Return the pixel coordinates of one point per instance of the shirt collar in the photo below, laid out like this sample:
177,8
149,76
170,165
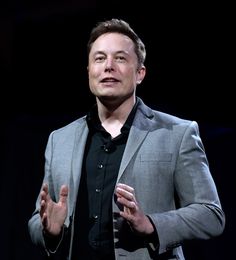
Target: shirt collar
94,122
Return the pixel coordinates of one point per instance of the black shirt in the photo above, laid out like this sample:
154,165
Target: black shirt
93,231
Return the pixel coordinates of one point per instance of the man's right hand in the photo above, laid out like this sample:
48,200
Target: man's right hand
53,214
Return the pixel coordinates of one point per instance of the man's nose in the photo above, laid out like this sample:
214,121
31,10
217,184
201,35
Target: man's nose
109,66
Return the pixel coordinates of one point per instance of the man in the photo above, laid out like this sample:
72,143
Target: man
125,181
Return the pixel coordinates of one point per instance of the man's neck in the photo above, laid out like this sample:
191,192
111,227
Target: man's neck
113,117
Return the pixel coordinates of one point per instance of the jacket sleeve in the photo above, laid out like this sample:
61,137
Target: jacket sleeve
34,223
199,214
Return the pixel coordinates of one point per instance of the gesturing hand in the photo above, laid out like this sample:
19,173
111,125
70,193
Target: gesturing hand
132,212
53,214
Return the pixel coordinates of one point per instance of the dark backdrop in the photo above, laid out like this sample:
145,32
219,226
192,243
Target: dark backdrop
44,86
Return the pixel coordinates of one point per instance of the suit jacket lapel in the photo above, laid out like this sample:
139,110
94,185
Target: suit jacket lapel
77,161
138,132
135,139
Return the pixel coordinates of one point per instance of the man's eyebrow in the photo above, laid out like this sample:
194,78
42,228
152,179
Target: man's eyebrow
98,52
116,52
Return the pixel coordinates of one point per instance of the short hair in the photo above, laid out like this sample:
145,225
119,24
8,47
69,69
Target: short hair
122,27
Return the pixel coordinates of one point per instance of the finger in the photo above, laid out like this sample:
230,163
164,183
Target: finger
44,195
44,192
45,188
126,215
125,194
63,194
44,220
127,210
125,187
129,205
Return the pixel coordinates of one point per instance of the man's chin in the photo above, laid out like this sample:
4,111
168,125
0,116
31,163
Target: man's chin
110,100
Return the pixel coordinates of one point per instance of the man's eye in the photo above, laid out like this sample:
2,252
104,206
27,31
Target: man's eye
100,58
120,58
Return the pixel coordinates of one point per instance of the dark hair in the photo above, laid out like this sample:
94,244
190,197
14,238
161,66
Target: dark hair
119,26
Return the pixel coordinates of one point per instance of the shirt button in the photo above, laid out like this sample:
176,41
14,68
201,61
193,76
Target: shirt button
95,216
100,166
97,190
94,243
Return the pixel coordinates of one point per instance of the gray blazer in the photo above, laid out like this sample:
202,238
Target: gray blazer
165,162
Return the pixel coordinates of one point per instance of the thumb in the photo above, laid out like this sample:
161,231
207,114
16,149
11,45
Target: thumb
63,194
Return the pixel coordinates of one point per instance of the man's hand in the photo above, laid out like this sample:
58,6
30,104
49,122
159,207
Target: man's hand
138,221
53,214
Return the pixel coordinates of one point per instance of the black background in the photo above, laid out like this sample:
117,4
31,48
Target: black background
44,86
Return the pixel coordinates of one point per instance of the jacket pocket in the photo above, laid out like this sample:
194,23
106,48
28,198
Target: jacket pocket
156,157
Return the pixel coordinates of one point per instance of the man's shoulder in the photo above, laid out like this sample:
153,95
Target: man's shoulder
171,118
71,127
162,116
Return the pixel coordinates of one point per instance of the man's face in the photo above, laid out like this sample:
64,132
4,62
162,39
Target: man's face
113,67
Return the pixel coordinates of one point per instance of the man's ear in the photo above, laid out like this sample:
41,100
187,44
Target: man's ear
141,74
